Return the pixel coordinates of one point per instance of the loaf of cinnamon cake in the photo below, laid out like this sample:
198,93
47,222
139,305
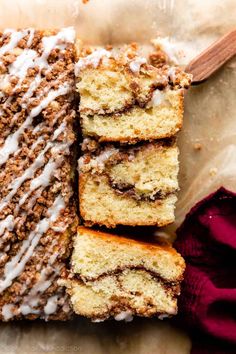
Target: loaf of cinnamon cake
128,185
123,97
37,209
112,276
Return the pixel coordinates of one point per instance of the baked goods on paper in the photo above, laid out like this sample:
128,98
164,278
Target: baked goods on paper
112,276
203,169
37,207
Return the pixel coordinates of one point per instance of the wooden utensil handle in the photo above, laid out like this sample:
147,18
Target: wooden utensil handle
211,59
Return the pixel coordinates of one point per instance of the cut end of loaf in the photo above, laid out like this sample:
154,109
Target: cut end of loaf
126,98
135,185
122,277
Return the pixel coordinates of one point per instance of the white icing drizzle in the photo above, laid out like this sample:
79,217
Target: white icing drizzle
7,311
98,320
12,142
172,73
169,48
51,305
15,266
38,141
4,81
44,179
66,35
59,228
39,127
41,181
124,316
162,317
92,59
33,297
105,155
26,310
136,64
59,114
33,199
35,84
7,31
98,162
59,130
42,284
31,37
15,38
32,87
52,95
157,98
20,68
23,62
15,117
7,223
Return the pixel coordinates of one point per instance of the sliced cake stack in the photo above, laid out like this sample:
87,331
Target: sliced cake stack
130,112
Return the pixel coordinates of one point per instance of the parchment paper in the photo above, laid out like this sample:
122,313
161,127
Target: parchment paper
207,143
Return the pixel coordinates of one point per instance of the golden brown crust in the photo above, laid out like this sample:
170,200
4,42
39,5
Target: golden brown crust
153,247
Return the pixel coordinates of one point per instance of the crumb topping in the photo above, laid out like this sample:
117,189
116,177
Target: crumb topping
36,197
157,64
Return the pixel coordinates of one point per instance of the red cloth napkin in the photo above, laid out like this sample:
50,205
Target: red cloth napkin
207,305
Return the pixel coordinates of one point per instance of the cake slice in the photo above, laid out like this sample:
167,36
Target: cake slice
37,205
126,99
113,276
134,185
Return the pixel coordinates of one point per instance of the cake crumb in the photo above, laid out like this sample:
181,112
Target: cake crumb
197,146
213,171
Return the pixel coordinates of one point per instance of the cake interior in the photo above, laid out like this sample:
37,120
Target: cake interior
160,120
126,98
144,171
132,185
